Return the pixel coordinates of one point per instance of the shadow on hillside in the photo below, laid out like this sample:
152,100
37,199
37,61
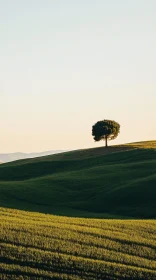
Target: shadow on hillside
44,192
68,212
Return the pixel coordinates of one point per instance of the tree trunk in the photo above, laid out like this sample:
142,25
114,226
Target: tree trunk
106,142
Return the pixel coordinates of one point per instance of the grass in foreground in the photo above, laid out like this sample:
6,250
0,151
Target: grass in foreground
39,246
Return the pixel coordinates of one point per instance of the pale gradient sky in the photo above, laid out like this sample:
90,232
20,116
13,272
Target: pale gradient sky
65,64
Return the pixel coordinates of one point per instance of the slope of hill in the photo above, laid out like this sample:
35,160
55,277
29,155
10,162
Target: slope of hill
17,156
116,182
38,246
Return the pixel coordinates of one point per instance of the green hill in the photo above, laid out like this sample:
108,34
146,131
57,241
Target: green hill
119,181
115,182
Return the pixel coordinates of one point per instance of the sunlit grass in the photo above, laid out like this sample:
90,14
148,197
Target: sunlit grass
53,247
144,145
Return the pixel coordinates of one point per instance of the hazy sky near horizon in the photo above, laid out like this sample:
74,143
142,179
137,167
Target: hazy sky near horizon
66,64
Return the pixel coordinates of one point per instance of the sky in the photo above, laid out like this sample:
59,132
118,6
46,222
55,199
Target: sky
66,64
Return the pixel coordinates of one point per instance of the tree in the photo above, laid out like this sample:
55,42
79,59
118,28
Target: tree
105,130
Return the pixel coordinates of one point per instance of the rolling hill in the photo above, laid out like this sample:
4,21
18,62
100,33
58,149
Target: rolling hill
119,181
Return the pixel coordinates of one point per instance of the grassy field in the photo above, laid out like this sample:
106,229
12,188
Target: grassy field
40,246
115,182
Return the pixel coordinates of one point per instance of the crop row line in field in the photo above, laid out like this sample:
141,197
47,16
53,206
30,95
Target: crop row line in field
53,252
95,266
17,270
78,239
124,258
97,243
143,241
87,247
36,228
21,267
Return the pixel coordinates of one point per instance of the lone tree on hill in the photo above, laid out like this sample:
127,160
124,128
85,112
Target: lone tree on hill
105,130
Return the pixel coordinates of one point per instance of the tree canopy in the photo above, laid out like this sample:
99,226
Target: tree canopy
105,130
